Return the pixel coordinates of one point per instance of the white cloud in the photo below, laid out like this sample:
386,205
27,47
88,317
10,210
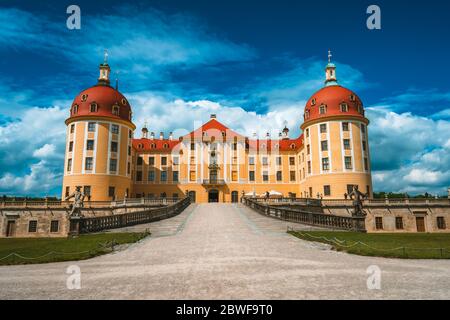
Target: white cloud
46,151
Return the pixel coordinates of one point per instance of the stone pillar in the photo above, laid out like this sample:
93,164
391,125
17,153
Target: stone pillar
74,226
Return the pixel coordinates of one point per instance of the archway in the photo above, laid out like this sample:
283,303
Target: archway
213,195
234,196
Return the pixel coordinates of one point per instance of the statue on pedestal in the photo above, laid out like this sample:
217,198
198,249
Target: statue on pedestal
78,198
357,202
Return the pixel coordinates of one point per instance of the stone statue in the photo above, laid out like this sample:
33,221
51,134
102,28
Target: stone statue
78,198
357,202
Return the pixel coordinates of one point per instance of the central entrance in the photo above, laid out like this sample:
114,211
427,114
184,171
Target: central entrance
213,195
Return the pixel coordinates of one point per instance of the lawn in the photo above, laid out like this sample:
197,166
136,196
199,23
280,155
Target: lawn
394,245
43,250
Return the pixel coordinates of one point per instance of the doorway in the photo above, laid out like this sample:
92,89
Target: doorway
234,196
420,223
213,195
192,196
11,228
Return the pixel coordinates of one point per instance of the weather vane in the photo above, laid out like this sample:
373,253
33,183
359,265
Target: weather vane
106,56
329,56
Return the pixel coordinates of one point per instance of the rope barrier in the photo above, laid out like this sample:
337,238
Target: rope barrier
340,243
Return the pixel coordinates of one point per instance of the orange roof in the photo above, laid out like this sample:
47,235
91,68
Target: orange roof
213,128
145,144
274,145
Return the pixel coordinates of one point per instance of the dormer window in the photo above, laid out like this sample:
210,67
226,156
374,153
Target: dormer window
93,107
344,107
75,109
165,146
313,102
124,102
153,146
140,146
84,97
306,115
293,146
115,110
360,109
322,109
352,97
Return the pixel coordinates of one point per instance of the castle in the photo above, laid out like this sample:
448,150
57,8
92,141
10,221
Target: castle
214,163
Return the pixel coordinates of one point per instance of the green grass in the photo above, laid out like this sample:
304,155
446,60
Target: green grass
393,245
63,249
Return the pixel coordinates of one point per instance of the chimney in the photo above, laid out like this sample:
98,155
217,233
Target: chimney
268,135
213,116
161,135
152,135
144,132
171,136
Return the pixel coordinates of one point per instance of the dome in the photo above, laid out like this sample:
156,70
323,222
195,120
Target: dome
333,100
101,100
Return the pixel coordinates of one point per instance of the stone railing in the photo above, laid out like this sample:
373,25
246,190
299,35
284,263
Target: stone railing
88,204
86,225
307,217
387,202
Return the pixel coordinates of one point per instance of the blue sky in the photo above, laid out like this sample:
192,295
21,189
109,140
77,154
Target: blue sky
253,63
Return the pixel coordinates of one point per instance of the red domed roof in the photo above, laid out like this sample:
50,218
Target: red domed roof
101,100
337,100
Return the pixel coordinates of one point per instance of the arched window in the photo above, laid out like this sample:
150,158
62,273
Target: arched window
293,146
306,115
153,146
84,97
115,110
313,102
352,97
75,109
344,107
93,107
124,102
165,146
322,109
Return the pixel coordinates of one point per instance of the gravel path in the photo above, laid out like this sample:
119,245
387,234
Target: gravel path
227,251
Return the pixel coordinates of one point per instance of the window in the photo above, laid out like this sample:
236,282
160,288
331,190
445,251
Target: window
363,128
310,191
292,175
163,176
175,176
278,161
292,161
67,191
348,162
113,146
366,164
93,107
379,223
350,188
251,175
72,128
32,226
138,175
130,134
87,191
192,176
265,176
313,102
344,107
440,222
129,150
89,164
115,110
344,126
251,160
308,149
151,161
163,161
279,176
176,161
124,102
324,145
113,165
234,175
327,190
111,192
307,133
347,144
323,128
325,164
352,97
151,176
309,167
54,226
90,145
323,109
70,146
399,223
192,146
234,146
115,129
364,145
139,161
265,161
75,109
69,164
128,168
91,126
306,115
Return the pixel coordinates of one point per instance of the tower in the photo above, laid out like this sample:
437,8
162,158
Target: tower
98,142
336,141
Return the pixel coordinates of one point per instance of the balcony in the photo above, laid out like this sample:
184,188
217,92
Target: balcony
215,182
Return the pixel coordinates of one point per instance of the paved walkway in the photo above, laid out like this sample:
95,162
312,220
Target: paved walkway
224,251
